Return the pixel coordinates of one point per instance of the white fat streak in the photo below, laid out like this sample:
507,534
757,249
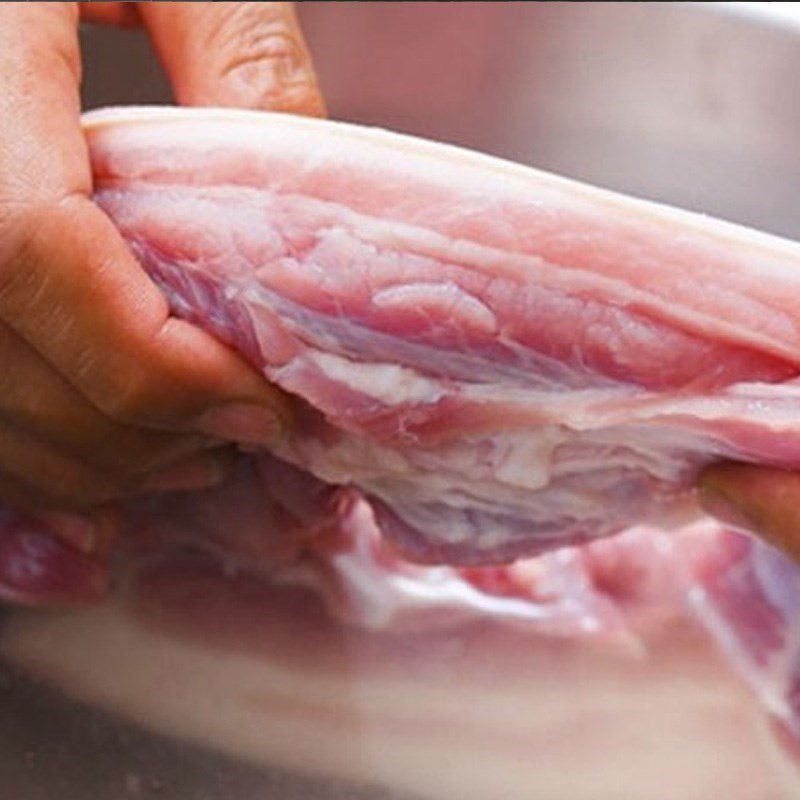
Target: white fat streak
380,597
389,383
526,460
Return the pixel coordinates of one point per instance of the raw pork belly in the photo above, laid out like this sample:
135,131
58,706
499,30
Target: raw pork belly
492,362
500,360
489,363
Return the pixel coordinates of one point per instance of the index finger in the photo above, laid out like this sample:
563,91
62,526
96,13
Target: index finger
248,55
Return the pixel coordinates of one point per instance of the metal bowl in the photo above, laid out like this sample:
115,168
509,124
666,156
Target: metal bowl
693,104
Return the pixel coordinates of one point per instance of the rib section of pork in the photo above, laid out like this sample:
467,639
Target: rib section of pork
500,360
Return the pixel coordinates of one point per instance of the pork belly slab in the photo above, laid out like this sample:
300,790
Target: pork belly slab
500,360
489,365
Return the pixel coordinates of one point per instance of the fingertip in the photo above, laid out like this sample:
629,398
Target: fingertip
245,423
764,501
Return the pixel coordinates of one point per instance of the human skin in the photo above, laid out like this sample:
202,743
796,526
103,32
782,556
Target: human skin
758,500
103,393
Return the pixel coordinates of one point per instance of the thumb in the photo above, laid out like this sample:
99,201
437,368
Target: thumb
248,55
764,501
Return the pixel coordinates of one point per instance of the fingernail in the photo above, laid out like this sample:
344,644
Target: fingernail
244,423
200,473
74,529
725,509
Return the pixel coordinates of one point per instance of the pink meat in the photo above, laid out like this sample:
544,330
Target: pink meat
489,362
38,564
500,360
329,543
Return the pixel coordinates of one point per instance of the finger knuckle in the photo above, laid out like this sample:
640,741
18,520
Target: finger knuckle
265,53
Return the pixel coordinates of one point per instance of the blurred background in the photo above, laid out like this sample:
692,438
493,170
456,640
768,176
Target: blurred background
694,104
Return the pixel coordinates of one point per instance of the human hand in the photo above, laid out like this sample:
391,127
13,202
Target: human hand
761,500
102,392
248,55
